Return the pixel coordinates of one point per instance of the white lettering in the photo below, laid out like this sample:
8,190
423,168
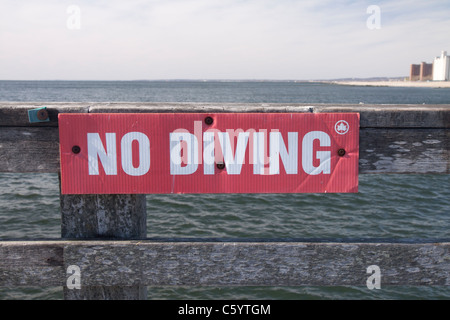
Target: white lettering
189,310
74,20
278,149
233,164
259,149
208,153
374,281
96,151
323,156
127,153
245,309
374,20
190,152
74,280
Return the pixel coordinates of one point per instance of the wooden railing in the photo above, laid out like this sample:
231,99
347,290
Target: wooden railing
116,260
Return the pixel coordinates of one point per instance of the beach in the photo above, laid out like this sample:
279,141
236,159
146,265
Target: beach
396,83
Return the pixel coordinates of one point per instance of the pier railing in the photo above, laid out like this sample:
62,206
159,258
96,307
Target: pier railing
112,258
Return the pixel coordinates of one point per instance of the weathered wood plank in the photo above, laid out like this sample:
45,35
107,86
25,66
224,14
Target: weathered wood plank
249,264
372,116
25,262
381,150
395,116
29,149
146,262
404,151
16,113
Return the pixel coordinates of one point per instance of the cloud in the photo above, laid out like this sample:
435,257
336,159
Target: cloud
234,39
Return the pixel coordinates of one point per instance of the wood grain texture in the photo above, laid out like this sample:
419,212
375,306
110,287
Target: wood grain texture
104,216
25,149
150,263
25,262
15,114
412,150
372,116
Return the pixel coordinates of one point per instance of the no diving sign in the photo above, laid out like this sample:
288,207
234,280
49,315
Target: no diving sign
209,153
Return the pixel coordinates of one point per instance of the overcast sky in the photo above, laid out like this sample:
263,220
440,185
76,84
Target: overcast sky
218,39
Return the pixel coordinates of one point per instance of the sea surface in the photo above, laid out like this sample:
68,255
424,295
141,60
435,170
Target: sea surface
386,208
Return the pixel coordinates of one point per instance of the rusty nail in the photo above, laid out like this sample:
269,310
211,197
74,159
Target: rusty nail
76,149
341,152
209,120
42,114
220,166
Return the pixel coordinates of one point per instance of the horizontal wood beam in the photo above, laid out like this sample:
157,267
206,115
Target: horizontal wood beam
372,116
26,149
171,263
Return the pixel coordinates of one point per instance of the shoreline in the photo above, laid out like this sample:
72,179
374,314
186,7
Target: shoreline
397,83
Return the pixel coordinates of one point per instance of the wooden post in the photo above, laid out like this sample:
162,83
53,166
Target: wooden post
104,217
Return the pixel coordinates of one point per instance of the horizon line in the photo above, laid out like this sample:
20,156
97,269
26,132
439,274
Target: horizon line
213,79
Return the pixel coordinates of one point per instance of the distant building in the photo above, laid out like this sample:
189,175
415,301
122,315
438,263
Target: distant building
441,67
426,71
414,73
439,70
422,72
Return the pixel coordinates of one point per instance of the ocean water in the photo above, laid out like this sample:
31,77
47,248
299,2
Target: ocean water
387,207
216,91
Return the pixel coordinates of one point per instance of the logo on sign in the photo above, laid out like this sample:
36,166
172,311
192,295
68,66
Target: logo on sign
341,127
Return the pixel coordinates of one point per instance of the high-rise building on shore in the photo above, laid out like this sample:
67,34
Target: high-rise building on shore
441,67
421,72
438,70
414,72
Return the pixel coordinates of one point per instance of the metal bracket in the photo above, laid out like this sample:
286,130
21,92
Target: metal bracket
38,115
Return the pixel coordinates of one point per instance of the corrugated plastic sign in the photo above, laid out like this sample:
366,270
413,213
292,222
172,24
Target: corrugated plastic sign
209,153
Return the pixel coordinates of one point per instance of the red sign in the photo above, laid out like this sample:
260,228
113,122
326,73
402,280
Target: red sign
209,153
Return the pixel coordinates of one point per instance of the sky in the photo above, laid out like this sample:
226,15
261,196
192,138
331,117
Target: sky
218,39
